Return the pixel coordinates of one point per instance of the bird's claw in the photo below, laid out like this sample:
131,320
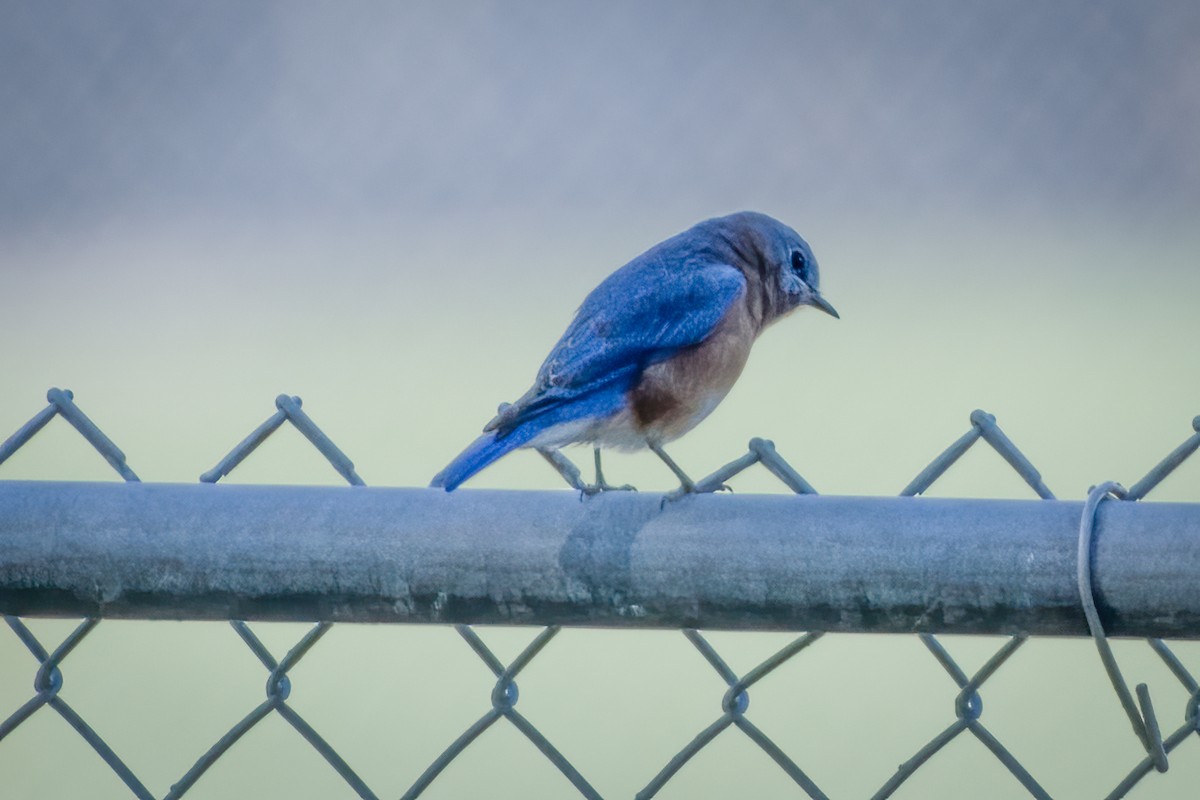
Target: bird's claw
689,488
600,487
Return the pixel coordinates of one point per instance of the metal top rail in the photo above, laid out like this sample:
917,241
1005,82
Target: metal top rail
804,562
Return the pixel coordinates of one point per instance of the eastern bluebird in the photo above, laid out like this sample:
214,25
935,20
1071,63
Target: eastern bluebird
656,346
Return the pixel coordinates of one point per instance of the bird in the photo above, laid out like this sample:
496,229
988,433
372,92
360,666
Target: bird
654,348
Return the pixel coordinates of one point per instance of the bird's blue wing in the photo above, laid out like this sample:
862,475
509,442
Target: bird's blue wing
644,312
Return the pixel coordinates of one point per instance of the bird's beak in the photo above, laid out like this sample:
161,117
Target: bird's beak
823,304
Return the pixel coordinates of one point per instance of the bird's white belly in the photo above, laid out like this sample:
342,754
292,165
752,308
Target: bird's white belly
616,431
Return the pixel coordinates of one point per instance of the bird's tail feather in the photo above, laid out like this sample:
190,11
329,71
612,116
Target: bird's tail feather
479,453
492,445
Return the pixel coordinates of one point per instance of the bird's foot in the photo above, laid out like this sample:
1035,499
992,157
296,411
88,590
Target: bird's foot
688,488
686,485
602,486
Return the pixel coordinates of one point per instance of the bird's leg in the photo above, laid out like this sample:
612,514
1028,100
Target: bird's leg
686,484
571,474
602,485
563,465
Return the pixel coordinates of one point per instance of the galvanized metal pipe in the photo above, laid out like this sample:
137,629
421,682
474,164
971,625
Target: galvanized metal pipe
905,564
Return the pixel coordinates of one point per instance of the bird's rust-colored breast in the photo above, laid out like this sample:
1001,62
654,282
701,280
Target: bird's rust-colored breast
673,396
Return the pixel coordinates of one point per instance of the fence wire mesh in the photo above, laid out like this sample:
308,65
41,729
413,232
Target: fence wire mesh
1156,749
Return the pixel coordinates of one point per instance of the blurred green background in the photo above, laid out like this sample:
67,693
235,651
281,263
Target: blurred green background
392,210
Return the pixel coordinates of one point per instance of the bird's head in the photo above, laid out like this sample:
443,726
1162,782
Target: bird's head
783,260
799,276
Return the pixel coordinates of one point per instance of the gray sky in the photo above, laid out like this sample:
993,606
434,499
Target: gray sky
303,111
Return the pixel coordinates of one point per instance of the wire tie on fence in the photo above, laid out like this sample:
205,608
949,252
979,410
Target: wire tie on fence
1153,732
1144,722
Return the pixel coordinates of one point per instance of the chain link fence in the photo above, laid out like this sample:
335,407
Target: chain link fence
1155,745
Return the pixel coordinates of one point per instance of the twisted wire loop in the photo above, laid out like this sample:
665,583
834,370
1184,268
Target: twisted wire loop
1145,725
278,689
48,682
968,705
288,410
734,705
504,698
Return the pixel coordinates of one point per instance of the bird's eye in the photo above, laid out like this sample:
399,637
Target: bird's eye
800,265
